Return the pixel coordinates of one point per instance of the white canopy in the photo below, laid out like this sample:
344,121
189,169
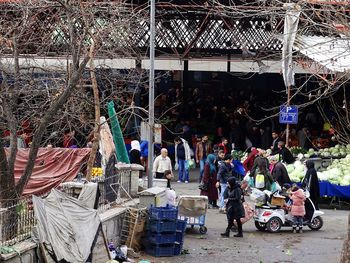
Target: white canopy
332,53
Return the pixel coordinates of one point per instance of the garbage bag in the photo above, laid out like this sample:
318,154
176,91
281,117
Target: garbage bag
258,196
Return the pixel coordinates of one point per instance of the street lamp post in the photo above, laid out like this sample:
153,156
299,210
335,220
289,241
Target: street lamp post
151,95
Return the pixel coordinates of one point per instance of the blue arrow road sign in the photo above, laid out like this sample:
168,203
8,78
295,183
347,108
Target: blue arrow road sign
289,114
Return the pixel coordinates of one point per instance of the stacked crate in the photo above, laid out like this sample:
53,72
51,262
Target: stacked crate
180,232
163,232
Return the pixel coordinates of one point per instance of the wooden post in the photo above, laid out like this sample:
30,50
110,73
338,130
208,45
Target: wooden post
96,138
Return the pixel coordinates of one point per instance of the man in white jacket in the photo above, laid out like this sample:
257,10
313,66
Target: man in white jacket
182,157
161,164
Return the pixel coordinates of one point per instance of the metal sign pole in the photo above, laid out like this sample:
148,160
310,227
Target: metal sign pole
151,95
288,125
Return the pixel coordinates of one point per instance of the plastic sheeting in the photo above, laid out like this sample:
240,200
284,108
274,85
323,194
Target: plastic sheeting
290,30
67,225
89,195
52,167
107,147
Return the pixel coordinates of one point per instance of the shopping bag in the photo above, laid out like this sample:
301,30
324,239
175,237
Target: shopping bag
176,167
203,186
248,213
191,164
260,181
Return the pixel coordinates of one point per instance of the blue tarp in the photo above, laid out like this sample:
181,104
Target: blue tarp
328,189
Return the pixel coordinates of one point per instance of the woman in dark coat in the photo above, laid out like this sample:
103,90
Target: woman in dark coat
209,179
234,207
310,183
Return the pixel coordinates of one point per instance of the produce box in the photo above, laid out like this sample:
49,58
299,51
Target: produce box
277,200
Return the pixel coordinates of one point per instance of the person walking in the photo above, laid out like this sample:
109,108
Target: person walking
161,164
209,179
203,149
182,157
234,207
298,208
225,172
310,183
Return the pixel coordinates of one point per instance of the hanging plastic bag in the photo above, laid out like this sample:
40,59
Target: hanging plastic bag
170,196
191,164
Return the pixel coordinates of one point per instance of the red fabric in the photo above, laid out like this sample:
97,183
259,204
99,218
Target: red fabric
249,162
298,206
52,167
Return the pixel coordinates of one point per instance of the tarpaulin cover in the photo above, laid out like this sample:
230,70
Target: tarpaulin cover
328,189
192,205
88,195
67,225
107,147
52,167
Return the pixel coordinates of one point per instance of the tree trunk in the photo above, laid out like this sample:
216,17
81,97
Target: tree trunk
96,138
7,181
45,122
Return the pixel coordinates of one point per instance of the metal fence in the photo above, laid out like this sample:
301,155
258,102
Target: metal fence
17,216
16,220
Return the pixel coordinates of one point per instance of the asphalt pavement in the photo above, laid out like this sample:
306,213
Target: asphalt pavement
323,246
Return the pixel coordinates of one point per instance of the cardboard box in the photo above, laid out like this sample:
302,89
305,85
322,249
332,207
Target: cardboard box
277,200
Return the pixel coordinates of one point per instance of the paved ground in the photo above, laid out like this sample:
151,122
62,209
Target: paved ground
311,246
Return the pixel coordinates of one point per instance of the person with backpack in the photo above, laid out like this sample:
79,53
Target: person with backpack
262,178
224,173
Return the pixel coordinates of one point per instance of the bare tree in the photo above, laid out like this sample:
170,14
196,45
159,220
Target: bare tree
47,94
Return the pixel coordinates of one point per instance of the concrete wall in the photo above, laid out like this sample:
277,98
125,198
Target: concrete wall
111,223
346,249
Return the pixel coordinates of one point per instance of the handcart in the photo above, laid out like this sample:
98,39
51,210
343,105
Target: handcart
193,208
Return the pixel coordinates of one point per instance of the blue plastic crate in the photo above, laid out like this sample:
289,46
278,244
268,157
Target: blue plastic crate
160,250
181,225
179,236
163,238
162,226
177,249
163,213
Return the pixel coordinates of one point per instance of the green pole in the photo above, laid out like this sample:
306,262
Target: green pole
122,154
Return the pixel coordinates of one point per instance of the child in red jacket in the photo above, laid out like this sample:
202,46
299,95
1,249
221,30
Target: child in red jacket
298,208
